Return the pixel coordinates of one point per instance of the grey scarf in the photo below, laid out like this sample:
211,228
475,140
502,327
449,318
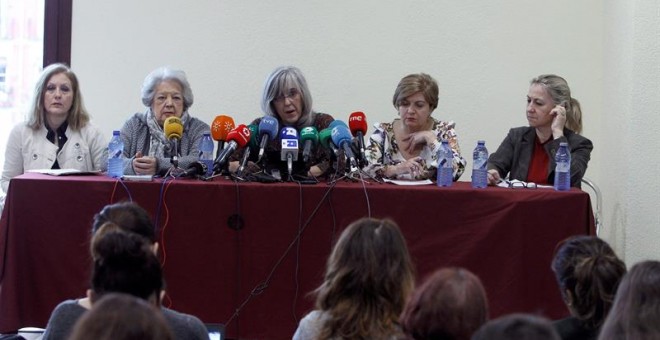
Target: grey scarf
159,145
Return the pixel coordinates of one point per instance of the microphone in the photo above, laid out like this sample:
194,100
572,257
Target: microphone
194,169
173,129
341,137
254,136
219,129
337,123
267,131
237,138
289,137
309,136
325,138
357,122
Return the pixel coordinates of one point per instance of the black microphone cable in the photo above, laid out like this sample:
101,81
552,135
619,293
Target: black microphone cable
297,262
237,237
261,287
366,194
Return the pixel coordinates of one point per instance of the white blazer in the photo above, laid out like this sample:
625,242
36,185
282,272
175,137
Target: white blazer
27,149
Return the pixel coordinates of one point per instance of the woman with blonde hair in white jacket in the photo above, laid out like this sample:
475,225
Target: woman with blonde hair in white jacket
58,134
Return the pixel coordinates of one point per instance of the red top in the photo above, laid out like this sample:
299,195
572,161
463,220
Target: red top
538,167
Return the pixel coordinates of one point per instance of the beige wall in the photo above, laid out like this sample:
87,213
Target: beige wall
483,54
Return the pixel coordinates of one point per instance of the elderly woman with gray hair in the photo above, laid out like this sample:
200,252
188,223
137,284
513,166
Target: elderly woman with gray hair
287,99
166,93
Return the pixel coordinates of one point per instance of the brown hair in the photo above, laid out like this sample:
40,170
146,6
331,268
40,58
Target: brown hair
519,327
368,278
125,263
121,316
635,311
413,83
128,216
450,304
588,269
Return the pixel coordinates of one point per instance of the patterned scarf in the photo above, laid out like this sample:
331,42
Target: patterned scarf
159,145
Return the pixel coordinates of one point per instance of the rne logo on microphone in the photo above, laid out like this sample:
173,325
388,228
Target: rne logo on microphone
355,118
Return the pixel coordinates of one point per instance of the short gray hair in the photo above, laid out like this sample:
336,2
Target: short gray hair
278,83
161,74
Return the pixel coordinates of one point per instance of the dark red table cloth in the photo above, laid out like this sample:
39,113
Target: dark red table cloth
256,279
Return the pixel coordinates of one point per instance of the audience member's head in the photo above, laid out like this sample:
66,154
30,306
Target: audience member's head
450,304
124,263
636,309
121,316
129,217
588,273
368,277
517,327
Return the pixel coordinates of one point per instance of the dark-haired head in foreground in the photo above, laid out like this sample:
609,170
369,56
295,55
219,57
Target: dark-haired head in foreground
588,273
636,309
517,327
450,304
122,316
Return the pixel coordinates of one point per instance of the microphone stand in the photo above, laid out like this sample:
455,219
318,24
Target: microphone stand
174,160
240,175
353,171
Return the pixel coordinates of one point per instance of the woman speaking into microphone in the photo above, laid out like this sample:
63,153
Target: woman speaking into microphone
286,102
147,148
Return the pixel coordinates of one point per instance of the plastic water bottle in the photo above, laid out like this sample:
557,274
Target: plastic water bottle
116,156
479,163
206,153
445,165
563,168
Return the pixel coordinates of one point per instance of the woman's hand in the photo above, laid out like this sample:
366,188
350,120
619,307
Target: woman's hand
558,122
314,171
419,138
411,166
144,165
493,177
